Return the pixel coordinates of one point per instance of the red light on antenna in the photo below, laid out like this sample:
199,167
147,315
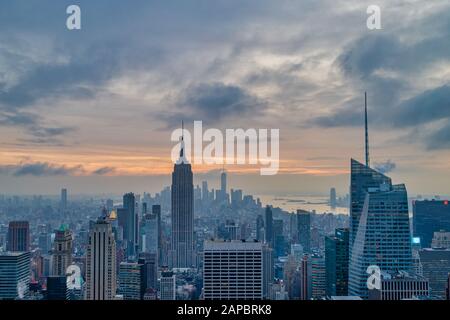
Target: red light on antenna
446,202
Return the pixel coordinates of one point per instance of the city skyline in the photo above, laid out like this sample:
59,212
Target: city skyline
96,117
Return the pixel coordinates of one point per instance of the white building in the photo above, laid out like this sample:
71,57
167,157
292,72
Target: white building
233,270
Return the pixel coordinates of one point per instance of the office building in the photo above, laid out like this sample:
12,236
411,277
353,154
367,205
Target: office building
132,284
167,286
15,273
400,286
318,276
62,251
337,263
441,239
304,229
101,261
268,223
18,236
57,288
379,227
430,216
128,220
436,267
233,270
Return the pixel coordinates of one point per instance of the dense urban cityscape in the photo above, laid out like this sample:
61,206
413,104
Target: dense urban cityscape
224,157
188,243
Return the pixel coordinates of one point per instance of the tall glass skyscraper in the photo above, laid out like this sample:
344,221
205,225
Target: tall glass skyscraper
379,226
182,213
337,260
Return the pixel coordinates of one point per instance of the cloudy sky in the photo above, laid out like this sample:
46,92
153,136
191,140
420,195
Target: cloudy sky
93,109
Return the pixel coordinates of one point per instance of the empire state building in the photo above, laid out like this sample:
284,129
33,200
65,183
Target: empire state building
182,213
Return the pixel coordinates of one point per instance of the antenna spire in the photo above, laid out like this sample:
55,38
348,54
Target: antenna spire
366,130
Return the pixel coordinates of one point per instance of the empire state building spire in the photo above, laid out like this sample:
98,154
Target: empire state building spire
182,158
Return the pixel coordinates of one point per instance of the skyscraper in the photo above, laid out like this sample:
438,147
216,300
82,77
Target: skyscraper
223,186
430,216
269,226
15,273
268,270
62,251
57,288
318,276
131,280
336,263
233,270
400,286
18,236
129,223
101,261
436,268
260,228
333,198
182,213
167,286
304,229
379,227
305,278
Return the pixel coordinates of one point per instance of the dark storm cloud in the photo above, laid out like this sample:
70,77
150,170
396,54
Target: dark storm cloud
388,67
104,171
213,102
45,169
439,139
426,107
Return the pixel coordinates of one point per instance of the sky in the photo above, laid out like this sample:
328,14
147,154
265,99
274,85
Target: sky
93,109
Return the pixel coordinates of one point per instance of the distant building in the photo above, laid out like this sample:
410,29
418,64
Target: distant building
233,270
430,216
436,267
101,261
15,272
441,239
333,198
150,269
268,226
318,276
132,284
304,229
18,236
400,286
57,288
268,270
62,251
128,221
337,262
167,286
305,278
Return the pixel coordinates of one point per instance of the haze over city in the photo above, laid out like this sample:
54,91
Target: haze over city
93,110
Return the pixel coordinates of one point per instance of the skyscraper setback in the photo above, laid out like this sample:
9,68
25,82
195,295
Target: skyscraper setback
182,213
101,261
